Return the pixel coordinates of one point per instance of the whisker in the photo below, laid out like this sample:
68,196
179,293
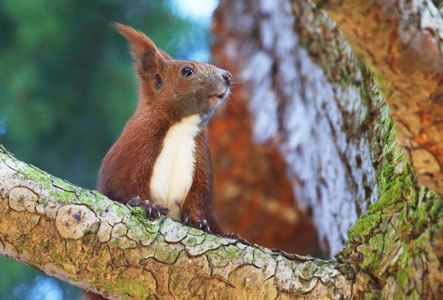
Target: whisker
254,112
250,91
244,100
247,122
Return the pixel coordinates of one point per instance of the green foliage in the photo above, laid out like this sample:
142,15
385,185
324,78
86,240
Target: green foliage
67,85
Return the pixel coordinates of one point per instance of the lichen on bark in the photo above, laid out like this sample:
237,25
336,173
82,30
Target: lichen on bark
400,42
311,99
85,239
399,220
399,242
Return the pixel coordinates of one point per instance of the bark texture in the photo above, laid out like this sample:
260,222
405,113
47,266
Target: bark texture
309,99
254,195
317,114
401,42
83,238
316,103
400,240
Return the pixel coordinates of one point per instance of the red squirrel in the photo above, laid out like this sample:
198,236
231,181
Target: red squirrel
161,160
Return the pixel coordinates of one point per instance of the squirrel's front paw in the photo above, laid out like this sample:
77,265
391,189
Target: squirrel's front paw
153,211
199,224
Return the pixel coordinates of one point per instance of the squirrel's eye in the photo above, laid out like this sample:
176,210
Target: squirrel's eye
186,72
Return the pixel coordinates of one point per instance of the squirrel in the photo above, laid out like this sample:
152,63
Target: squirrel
162,161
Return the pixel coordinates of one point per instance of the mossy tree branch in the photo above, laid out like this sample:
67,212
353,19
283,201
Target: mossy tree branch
399,242
85,239
401,42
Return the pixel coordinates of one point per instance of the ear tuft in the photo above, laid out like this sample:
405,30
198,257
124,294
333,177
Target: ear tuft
138,41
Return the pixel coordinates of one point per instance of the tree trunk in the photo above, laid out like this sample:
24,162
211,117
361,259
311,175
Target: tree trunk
317,105
401,42
310,100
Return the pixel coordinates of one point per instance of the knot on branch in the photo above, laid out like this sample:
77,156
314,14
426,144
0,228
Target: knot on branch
22,198
74,221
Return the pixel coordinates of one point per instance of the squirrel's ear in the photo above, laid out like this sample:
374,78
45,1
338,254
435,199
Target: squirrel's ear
143,49
165,55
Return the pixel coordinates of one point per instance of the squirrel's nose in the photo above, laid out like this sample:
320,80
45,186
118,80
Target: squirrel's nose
227,76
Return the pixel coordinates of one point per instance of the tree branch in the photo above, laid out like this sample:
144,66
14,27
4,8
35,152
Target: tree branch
401,43
83,238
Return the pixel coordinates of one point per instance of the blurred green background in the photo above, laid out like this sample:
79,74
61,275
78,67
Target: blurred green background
67,88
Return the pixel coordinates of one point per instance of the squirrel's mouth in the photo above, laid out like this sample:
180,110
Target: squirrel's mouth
222,95
213,104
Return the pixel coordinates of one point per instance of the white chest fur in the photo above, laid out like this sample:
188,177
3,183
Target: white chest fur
174,168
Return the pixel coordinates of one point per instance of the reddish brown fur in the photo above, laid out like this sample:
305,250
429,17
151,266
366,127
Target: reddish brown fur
165,98
199,200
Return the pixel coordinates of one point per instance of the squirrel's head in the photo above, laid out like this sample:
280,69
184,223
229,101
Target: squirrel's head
179,88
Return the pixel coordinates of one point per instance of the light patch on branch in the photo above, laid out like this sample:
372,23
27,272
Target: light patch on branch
74,221
22,198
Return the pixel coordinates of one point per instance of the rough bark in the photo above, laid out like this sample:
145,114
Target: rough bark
401,42
309,99
313,100
400,241
298,67
255,197
83,238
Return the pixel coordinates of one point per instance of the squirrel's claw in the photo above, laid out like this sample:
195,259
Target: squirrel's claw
153,211
134,202
199,224
231,235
